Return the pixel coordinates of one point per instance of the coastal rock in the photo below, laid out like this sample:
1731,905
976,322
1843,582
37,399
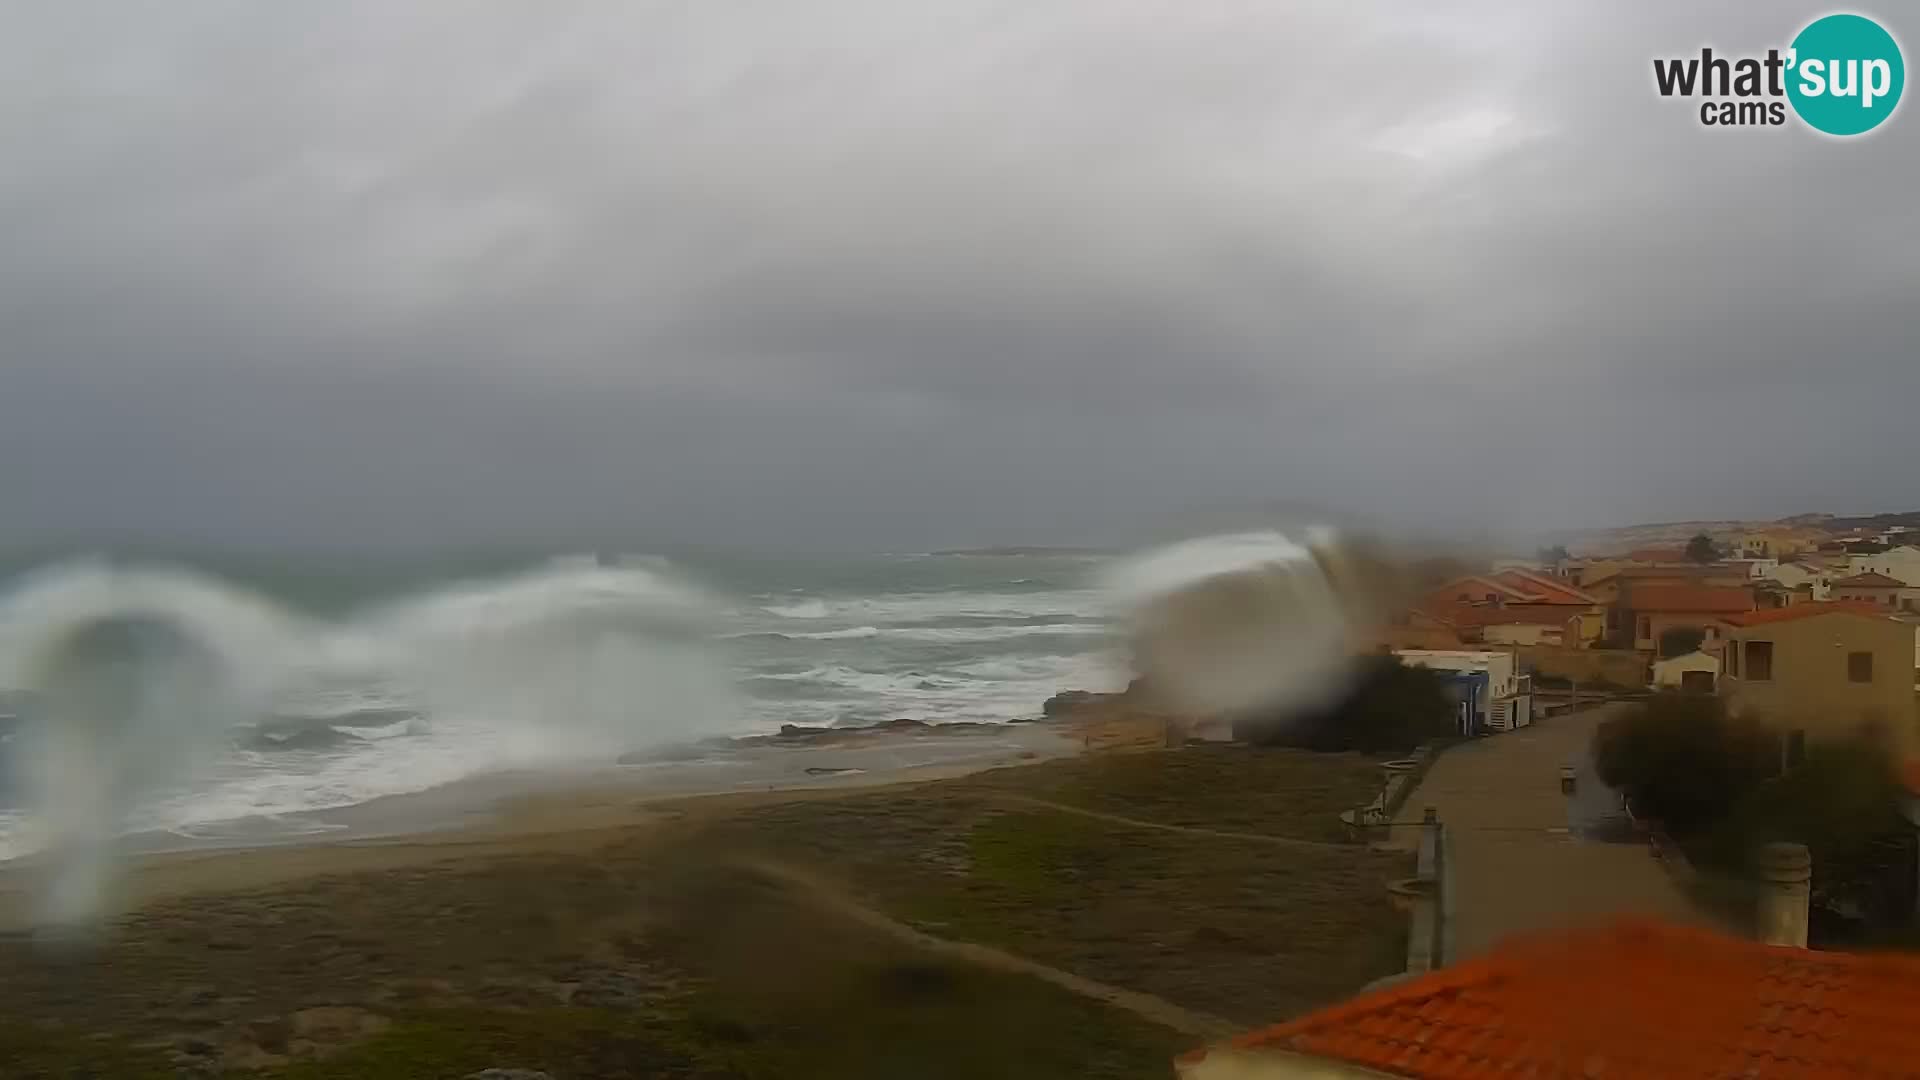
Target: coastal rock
1067,701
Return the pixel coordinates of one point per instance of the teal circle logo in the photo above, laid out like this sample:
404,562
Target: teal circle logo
1845,74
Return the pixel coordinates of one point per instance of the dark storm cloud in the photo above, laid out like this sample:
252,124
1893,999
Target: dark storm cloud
907,274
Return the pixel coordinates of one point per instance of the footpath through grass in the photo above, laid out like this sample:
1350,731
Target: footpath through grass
662,955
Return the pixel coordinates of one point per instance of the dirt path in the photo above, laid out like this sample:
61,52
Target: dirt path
1146,1006
1159,826
1519,860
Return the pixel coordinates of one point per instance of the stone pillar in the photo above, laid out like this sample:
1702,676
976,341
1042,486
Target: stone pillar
1786,876
1427,855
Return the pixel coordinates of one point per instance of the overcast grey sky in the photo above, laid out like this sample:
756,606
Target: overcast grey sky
885,274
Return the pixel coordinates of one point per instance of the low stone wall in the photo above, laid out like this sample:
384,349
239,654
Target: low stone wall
1621,667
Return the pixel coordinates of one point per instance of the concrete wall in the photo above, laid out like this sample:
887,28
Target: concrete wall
1622,667
1522,634
1810,690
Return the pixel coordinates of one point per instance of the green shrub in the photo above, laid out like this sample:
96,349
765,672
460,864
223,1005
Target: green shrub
1680,759
1392,708
1842,802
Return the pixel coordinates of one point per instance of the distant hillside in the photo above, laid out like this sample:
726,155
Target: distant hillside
1909,518
1673,533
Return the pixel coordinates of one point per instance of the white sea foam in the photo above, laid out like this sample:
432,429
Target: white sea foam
138,678
1234,622
805,609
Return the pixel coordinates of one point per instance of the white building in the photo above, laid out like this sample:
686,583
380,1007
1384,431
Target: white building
1794,575
1489,691
1901,564
1694,671
1757,569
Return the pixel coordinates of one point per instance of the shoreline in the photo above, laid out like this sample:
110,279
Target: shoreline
523,811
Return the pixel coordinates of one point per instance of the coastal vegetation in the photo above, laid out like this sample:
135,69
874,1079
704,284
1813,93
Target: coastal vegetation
1086,917
1392,707
1722,785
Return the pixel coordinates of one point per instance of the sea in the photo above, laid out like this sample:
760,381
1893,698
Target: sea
202,697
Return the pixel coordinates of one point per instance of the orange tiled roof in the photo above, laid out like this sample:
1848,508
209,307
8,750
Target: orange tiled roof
1546,589
1806,611
1489,615
1873,580
1657,554
1637,999
1631,573
1703,599
1476,587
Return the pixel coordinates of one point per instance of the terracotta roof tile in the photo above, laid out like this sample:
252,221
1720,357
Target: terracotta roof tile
1806,611
1489,615
1637,999
1704,599
1548,590
1475,587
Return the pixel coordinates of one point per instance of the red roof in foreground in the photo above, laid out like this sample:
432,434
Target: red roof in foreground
1806,611
1638,999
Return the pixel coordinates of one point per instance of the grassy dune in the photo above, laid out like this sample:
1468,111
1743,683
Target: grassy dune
684,950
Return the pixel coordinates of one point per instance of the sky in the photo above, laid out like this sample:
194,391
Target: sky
866,274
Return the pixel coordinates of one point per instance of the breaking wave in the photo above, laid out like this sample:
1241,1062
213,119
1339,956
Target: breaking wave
151,697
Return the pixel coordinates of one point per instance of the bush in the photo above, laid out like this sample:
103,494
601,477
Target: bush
1843,803
1680,759
1680,641
1392,707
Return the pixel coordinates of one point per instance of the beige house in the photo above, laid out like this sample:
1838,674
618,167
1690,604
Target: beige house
1775,543
1608,588
1649,610
1823,669
1900,563
1516,607
1802,576
1879,590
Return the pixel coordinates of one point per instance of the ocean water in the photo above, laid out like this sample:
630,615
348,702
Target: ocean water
204,698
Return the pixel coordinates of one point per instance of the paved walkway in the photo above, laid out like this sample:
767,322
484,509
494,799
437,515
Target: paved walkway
1525,857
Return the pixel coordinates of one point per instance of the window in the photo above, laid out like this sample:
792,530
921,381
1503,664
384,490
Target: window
1646,627
1759,661
1859,667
